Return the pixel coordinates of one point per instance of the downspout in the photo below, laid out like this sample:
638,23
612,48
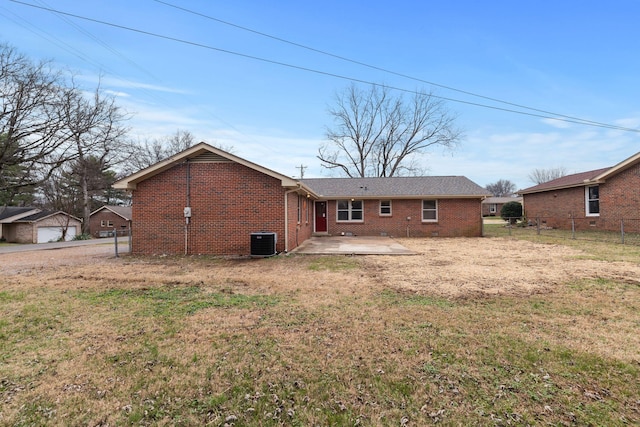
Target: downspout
286,218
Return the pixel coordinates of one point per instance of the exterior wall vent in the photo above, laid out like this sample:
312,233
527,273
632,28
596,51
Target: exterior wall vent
209,157
263,244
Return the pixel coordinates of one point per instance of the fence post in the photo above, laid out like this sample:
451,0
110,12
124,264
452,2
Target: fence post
510,226
115,239
622,231
538,226
573,228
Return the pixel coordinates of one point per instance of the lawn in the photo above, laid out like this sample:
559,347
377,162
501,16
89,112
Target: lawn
492,331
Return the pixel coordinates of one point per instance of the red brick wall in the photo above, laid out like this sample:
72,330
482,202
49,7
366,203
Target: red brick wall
299,231
555,208
619,199
486,209
620,195
228,202
456,218
95,223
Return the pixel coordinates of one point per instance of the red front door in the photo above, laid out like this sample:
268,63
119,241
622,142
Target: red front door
321,217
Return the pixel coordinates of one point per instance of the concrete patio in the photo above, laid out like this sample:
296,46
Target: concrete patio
352,245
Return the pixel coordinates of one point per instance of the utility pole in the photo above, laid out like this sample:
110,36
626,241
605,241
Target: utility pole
302,168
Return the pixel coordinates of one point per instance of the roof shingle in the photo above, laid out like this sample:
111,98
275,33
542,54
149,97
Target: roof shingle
396,187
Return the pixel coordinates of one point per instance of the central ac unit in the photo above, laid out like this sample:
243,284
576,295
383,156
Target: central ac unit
263,244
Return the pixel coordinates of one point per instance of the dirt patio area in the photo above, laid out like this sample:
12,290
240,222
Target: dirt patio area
452,268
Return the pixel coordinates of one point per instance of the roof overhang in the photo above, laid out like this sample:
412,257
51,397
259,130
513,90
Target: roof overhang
403,197
635,159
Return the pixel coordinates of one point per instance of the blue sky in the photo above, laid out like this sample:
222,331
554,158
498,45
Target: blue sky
575,58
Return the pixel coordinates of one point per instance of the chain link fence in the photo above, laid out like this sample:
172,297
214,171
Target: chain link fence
623,231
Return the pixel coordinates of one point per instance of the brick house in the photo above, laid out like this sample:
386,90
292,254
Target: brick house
103,221
492,206
597,199
424,206
207,201
33,225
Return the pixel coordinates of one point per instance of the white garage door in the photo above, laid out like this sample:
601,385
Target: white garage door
52,234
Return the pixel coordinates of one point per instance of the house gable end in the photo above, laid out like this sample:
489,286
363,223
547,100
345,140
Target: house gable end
200,153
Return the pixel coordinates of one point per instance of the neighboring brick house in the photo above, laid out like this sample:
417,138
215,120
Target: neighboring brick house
207,201
103,221
492,206
32,225
598,199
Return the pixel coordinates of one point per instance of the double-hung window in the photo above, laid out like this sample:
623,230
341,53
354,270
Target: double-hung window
592,200
350,210
429,210
385,207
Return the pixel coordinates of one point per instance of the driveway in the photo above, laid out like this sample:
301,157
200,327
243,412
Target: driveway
123,245
352,245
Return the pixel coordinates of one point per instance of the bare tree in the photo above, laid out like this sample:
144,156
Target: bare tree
377,134
97,134
502,188
31,127
540,176
152,151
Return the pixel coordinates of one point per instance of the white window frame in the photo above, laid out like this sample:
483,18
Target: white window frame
350,210
389,206
430,210
493,208
588,200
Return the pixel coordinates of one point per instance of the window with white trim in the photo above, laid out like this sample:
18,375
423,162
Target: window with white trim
350,210
429,210
385,207
592,200
493,208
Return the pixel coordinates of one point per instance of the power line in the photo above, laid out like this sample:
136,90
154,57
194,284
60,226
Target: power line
552,116
72,50
373,67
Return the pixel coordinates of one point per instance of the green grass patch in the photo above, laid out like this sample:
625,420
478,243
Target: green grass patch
394,297
176,300
333,263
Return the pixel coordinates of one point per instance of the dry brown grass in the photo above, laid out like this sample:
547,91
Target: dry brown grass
471,331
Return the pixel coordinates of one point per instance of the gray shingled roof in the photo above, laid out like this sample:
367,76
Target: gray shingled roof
396,187
490,200
9,211
36,216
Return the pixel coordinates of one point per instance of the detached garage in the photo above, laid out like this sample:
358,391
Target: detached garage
37,226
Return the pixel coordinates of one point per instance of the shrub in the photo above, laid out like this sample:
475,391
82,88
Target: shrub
511,211
83,236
